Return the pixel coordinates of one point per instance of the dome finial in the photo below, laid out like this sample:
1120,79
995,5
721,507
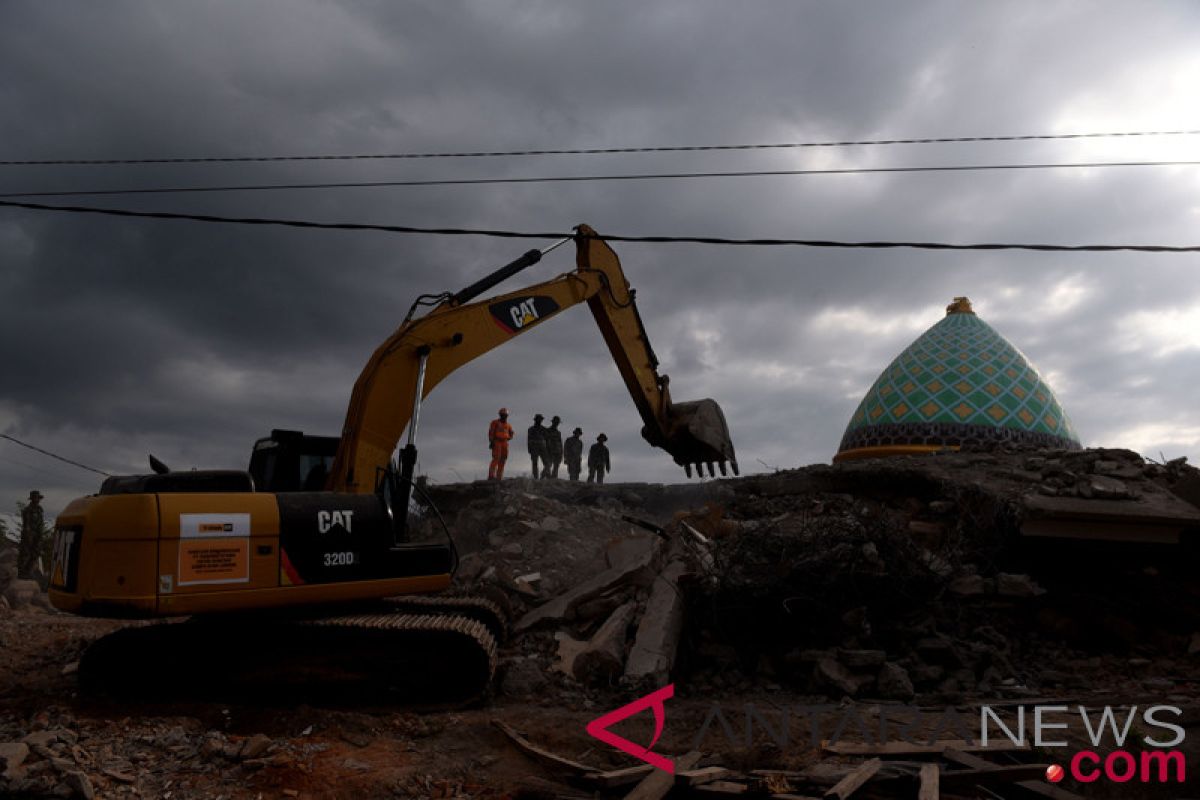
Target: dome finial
961,305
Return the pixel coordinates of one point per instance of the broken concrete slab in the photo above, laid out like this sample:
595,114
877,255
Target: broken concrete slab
603,657
12,755
562,607
569,649
829,673
653,652
1017,586
628,549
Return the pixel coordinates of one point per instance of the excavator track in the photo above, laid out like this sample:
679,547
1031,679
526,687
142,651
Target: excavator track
483,609
379,657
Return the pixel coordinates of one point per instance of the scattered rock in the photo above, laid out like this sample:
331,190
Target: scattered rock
861,659
13,755
830,674
522,678
1017,586
255,746
80,785
893,683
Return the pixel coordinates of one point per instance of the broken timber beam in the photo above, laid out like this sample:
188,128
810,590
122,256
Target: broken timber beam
855,780
929,775
698,777
545,756
1018,773
658,783
1038,787
618,777
907,749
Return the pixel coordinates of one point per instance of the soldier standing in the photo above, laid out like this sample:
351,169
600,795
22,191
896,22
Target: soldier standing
573,453
499,435
32,526
554,448
598,462
537,443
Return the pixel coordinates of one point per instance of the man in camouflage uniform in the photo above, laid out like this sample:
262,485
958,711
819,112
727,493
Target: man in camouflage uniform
598,462
573,453
554,449
537,444
32,525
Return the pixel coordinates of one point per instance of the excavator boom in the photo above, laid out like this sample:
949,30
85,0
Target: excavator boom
424,351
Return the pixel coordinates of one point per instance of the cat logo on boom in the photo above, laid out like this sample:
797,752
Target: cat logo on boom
327,519
519,313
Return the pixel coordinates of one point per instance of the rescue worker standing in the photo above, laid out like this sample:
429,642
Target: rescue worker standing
537,444
32,526
598,462
554,448
499,435
573,453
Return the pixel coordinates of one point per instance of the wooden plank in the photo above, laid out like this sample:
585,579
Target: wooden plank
906,749
930,785
658,783
855,780
696,777
1016,773
545,756
1038,787
720,789
618,777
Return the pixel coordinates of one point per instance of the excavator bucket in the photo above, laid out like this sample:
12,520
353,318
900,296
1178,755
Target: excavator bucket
698,435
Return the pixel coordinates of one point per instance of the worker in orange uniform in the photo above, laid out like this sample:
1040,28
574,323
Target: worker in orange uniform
499,435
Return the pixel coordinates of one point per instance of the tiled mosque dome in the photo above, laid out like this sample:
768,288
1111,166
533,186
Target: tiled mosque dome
960,383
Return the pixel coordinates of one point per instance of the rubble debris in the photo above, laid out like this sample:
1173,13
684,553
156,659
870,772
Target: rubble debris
540,754
1038,787
602,659
13,755
930,782
561,607
659,783
910,749
654,647
850,784
618,777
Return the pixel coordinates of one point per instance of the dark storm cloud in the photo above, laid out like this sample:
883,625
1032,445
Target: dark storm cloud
120,337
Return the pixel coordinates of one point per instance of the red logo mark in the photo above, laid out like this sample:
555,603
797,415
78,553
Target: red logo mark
599,728
1054,773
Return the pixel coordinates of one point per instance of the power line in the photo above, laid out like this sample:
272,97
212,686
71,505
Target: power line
592,178
710,240
582,151
55,455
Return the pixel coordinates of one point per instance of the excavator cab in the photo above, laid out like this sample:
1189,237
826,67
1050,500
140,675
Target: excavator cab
290,461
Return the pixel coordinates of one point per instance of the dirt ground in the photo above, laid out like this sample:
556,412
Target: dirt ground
866,590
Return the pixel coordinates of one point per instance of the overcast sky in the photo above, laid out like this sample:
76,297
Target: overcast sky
120,337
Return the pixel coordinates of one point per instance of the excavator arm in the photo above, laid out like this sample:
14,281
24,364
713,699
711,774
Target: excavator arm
424,351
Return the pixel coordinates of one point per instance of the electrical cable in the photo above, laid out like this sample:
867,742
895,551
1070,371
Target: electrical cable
55,455
503,234
596,178
582,151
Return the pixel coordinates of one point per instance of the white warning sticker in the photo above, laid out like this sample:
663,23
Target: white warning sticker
214,526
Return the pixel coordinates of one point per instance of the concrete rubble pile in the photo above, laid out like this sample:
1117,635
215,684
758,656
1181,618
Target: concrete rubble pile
18,594
902,579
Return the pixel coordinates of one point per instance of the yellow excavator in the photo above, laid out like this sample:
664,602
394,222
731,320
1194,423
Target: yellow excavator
300,573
